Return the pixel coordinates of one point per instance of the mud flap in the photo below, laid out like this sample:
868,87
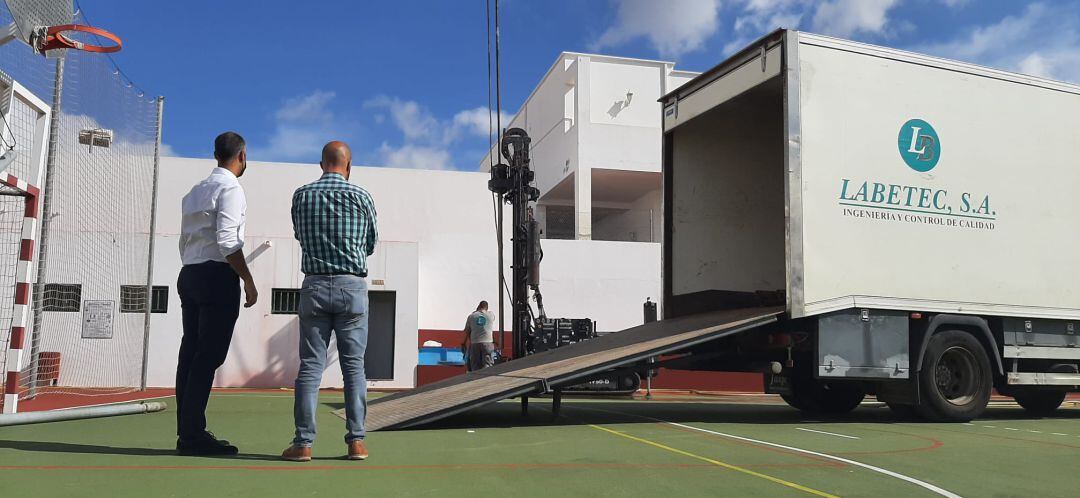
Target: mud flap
777,384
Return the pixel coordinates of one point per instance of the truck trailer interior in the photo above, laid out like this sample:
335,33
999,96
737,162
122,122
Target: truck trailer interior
726,205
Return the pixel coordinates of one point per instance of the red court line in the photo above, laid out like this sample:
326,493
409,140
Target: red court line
70,398
934,444
822,462
997,436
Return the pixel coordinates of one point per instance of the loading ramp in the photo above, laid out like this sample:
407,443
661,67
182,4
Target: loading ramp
568,365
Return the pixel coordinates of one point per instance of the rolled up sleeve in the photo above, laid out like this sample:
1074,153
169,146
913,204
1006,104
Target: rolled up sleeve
372,228
230,219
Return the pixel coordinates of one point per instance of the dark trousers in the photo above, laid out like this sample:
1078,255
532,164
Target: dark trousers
210,298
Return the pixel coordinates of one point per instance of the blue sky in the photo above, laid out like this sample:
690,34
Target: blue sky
405,82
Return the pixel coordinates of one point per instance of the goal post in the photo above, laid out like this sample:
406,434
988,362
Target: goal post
77,216
25,119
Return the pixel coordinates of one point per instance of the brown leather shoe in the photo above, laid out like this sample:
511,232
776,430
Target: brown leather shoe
297,454
357,451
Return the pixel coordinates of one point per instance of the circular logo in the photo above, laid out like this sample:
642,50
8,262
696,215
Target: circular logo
481,320
919,145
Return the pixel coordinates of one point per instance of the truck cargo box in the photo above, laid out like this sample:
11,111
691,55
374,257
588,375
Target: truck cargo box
824,175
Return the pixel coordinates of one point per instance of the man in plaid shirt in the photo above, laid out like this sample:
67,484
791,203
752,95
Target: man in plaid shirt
334,221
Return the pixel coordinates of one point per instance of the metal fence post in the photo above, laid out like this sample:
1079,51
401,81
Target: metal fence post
150,249
38,296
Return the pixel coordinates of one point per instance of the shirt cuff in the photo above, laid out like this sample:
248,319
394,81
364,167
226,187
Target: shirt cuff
231,247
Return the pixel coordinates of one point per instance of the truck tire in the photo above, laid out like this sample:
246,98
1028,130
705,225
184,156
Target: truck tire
1039,402
956,379
813,397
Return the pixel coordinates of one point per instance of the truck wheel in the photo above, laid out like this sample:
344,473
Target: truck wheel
1040,402
955,380
817,398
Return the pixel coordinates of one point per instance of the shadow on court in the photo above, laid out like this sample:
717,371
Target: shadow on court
69,448
507,414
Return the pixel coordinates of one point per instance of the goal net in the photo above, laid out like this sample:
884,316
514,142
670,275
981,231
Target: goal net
88,312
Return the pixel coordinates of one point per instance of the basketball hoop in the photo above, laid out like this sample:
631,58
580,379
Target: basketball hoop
47,38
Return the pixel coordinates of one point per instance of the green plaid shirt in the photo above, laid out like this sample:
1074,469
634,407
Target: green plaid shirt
334,221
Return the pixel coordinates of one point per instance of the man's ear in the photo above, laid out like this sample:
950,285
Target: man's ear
242,156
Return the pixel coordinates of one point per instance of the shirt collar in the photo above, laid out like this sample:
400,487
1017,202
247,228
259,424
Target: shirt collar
332,176
224,172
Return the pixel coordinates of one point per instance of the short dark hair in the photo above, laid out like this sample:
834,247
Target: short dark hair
228,145
483,305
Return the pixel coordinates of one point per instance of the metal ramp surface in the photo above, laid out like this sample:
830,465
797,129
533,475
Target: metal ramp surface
541,372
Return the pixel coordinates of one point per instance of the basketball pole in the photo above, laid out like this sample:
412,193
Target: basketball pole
150,251
38,296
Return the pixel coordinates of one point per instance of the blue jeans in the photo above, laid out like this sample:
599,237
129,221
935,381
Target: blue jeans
337,303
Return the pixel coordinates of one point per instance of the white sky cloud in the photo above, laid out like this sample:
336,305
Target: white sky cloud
845,18
427,140
1041,40
416,157
302,125
673,27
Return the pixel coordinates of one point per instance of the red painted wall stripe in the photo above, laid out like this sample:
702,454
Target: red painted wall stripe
18,337
22,293
26,250
11,181
12,384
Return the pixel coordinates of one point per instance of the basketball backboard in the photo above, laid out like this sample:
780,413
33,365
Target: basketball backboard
29,15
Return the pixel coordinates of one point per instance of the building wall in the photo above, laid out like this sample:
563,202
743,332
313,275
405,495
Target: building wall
594,111
437,245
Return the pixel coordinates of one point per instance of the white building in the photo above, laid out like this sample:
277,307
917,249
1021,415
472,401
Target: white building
594,121
435,260
595,125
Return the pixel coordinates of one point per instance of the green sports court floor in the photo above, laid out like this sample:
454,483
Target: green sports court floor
672,447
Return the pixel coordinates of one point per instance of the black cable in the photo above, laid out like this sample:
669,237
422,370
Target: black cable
7,126
498,72
80,11
491,157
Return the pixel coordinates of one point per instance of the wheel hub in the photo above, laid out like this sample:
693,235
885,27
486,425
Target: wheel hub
956,376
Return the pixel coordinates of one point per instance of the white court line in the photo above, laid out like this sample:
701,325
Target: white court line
902,477
1011,429
880,470
826,433
1058,434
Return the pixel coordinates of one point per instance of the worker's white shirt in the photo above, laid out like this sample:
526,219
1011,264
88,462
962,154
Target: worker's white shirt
213,212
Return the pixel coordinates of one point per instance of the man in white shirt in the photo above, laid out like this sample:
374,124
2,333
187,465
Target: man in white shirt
479,338
212,251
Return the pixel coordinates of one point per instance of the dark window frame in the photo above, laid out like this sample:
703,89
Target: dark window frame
58,304
159,299
284,301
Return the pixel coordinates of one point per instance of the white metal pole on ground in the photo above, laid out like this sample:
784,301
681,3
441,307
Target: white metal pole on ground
150,249
46,184
80,413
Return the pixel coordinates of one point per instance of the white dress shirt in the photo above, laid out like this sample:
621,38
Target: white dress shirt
213,212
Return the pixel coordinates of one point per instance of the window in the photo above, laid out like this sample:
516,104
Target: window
62,298
133,299
284,301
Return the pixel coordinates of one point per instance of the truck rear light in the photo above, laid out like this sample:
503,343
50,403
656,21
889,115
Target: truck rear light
916,316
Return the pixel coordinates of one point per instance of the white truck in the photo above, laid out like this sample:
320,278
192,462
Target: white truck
917,218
